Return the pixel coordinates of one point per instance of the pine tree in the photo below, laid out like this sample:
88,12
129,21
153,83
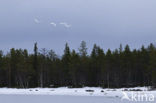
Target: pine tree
74,68
152,63
84,64
108,66
83,49
35,78
66,60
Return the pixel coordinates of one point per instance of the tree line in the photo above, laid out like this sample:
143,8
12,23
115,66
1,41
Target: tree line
121,67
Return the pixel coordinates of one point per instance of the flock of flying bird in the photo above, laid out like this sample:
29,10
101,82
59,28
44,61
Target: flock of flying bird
66,25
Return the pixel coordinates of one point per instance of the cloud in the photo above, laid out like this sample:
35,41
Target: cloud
65,24
36,21
54,24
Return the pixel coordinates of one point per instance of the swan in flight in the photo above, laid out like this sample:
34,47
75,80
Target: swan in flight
54,24
65,24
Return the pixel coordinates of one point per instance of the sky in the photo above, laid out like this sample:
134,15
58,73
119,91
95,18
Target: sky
52,23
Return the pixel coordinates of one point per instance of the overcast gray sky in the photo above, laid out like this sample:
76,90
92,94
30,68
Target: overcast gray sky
51,23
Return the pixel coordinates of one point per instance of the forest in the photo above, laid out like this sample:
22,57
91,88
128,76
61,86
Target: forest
117,68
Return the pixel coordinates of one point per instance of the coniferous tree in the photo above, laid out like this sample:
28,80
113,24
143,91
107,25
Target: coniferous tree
152,63
66,60
83,49
108,66
35,78
84,65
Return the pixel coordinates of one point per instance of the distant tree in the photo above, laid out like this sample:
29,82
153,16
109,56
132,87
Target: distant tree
96,66
42,67
116,68
74,68
35,56
3,76
35,67
127,65
108,67
84,64
120,49
152,63
52,55
83,49
66,60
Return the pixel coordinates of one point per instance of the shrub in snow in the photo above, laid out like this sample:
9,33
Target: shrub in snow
89,90
52,90
135,90
102,91
125,90
36,90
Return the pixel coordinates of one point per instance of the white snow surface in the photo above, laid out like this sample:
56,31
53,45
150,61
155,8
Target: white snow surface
86,91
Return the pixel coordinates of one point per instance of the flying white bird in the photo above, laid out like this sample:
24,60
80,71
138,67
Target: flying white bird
65,24
54,24
36,21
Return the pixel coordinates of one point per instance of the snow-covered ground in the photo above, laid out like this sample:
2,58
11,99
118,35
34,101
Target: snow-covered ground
86,91
73,95
59,99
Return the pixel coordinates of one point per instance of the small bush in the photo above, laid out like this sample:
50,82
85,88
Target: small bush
89,90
